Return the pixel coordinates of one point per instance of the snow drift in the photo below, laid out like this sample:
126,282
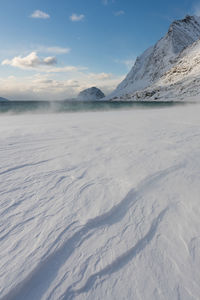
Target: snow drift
117,218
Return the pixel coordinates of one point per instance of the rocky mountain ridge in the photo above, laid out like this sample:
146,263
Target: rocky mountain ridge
164,71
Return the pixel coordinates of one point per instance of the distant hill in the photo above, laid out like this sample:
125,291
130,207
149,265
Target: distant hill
91,94
3,99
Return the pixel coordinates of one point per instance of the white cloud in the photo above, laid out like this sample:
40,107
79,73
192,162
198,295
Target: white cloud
65,69
45,65
100,76
30,61
119,13
77,18
54,50
38,14
52,86
48,61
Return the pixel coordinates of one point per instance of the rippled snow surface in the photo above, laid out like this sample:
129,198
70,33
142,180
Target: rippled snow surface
100,205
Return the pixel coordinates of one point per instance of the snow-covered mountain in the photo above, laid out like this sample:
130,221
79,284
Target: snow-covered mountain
158,66
91,94
3,99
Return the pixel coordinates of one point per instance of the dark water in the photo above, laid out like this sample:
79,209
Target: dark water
18,107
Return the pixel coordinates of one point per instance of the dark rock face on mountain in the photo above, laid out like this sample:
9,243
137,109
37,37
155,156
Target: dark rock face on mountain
156,61
91,94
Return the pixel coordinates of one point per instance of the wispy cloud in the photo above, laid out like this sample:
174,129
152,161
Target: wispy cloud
49,86
106,2
64,69
100,76
119,13
38,14
129,63
53,50
196,9
77,18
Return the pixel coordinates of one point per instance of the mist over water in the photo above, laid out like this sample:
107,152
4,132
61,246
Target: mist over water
20,107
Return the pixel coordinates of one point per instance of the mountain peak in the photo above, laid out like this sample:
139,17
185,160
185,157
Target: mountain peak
91,94
157,60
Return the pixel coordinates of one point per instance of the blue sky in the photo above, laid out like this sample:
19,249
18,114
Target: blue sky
53,49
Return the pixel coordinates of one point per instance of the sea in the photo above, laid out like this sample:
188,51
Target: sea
20,107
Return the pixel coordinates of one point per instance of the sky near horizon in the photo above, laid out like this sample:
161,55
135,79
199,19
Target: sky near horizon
53,49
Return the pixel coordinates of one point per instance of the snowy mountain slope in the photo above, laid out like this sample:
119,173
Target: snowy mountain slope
157,60
3,99
187,65
111,219
181,82
91,94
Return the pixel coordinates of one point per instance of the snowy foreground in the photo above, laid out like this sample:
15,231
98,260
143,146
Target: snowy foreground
101,205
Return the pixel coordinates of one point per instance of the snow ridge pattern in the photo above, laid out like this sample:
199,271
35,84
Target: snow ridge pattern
111,219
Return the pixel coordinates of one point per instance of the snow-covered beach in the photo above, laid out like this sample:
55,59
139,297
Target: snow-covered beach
100,205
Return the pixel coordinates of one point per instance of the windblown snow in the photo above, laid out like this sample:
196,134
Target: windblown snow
100,205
